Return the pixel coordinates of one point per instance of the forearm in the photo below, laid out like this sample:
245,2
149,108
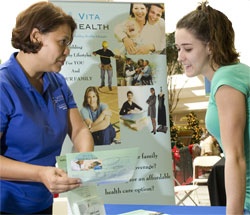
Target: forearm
79,132
232,107
100,125
99,119
19,171
123,111
83,141
235,183
151,102
120,32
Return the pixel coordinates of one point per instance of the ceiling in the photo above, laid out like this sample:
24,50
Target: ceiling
192,93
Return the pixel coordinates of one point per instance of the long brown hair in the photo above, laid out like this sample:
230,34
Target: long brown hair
212,26
85,100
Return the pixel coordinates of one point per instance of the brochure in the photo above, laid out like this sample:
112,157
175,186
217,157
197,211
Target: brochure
102,167
94,168
85,200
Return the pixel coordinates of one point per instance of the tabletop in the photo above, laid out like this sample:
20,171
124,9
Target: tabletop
115,209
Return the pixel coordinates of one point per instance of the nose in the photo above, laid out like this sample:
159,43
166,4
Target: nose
140,10
154,16
66,50
181,56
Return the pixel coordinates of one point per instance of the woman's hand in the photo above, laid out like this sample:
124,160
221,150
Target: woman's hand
57,181
129,45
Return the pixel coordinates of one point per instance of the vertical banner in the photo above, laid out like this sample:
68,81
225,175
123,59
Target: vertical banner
117,72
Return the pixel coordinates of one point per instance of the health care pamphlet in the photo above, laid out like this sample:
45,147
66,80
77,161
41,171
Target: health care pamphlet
96,168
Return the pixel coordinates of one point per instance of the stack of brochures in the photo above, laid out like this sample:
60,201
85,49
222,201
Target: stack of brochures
135,121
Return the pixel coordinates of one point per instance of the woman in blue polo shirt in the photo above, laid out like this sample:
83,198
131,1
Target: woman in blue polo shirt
205,43
37,112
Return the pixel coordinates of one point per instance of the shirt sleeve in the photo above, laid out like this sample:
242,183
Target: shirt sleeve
6,107
231,76
85,113
119,31
68,95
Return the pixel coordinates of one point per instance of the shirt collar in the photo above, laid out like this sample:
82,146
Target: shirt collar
18,75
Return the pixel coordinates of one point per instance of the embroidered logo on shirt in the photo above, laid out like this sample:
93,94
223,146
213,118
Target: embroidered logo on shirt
59,102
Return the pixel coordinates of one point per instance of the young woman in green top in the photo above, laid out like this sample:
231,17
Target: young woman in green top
205,42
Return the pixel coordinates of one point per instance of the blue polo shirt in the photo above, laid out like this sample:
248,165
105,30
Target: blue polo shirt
34,127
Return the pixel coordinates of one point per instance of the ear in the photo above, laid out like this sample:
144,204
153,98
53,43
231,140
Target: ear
35,36
209,50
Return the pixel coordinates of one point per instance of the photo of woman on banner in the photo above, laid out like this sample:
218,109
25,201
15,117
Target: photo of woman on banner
136,32
151,101
129,106
97,116
132,114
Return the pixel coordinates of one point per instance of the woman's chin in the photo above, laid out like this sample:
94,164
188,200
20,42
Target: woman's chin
189,74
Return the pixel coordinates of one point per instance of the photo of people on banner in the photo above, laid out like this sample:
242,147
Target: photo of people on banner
117,71
136,70
135,33
136,114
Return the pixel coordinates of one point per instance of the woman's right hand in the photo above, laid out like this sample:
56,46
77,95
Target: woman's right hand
57,181
129,45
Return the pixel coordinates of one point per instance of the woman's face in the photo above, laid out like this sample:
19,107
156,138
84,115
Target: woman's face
92,99
139,11
55,49
130,97
194,54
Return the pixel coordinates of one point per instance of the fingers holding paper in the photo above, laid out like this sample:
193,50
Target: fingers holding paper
57,181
